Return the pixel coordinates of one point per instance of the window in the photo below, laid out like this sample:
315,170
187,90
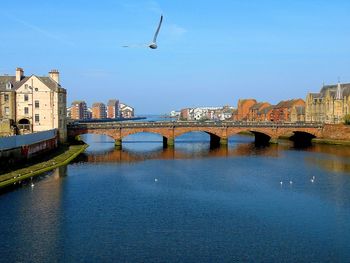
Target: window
26,86
7,110
36,104
37,118
26,110
6,97
8,85
36,89
25,97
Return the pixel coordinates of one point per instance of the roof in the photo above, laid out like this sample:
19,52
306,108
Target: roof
286,103
6,79
257,106
50,83
332,89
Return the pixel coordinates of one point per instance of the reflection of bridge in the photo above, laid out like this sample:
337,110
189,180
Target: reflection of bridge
114,155
219,131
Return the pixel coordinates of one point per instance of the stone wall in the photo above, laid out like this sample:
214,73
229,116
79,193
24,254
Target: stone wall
336,132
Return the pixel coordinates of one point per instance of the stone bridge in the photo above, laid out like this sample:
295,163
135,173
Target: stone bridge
219,131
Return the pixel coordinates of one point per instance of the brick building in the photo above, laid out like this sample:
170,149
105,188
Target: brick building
243,109
78,110
99,111
282,111
113,109
265,113
253,114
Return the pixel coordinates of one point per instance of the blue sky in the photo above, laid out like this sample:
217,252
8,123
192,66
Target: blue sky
210,53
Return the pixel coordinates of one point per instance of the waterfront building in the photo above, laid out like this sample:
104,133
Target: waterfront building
297,114
79,110
207,113
330,105
113,109
265,113
34,103
185,114
253,114
126,111
243,108
282,111
99,111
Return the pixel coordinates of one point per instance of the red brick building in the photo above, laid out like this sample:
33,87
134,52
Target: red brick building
265,113
254,110
282,111
78,110
112,109
185,114
99,110
243,109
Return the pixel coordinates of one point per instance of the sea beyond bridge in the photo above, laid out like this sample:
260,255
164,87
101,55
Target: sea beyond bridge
219,131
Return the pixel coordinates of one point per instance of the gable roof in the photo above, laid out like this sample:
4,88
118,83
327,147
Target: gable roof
49,82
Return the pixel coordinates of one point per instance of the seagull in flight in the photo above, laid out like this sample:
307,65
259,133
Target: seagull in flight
153,44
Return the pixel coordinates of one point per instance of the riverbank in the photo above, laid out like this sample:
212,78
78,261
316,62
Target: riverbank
63,156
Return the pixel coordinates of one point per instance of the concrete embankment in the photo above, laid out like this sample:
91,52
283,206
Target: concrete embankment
63,157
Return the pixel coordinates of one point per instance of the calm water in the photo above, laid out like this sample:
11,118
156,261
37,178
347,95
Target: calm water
191,204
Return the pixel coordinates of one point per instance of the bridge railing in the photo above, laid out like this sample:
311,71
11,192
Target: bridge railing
174,124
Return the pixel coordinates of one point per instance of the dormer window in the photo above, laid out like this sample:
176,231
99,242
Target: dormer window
8,85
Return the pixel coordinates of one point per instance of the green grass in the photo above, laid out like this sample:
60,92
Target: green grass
65,155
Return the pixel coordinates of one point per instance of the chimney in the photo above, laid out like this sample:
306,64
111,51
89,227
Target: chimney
55,75
19,74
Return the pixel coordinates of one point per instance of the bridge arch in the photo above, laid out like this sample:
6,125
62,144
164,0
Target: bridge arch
302,138
216,137
262,136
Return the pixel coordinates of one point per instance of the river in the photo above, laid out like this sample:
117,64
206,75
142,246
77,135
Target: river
189,204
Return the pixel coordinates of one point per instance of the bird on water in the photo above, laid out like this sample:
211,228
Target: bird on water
153,44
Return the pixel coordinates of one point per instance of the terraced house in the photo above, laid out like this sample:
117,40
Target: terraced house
330,105
34,103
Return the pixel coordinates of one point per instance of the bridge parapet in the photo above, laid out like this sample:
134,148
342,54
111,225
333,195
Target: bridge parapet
118,125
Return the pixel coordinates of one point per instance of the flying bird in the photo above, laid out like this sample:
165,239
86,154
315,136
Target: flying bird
153,44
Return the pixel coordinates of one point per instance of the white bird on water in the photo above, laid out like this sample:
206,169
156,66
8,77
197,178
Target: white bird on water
153,44
156,180
281,183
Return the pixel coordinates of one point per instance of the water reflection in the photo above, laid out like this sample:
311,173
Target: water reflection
142,147
201,151
37,217
208,204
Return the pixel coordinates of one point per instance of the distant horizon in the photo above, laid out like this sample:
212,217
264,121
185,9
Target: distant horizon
208,54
